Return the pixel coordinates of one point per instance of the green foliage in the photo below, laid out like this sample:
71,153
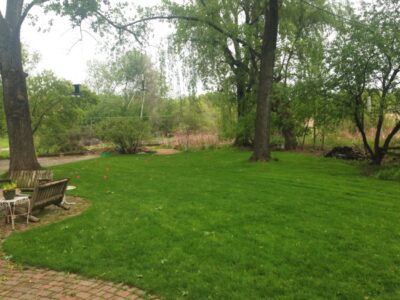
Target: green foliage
212,48
112,106
225,112
9,186
365,58
245,127
389,173
224,51
128,134
124,75
194,116
130,86
56,113
167,116
76,10
210,225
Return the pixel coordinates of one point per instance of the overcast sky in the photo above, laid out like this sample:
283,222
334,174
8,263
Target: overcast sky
60,51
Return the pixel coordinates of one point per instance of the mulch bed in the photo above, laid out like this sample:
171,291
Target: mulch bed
49,215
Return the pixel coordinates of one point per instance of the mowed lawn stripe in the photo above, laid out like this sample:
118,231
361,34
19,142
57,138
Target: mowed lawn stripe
212,225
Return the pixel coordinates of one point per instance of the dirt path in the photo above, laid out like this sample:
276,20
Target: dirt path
61,160
52,161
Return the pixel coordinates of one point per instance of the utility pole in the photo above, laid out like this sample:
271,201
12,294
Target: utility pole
143,96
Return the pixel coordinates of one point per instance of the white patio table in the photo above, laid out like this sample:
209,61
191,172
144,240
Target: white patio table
69,188
10,207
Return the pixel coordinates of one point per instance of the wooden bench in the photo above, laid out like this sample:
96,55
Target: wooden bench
28,180
51,193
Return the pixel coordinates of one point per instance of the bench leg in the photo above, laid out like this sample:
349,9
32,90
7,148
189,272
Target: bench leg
33,219
63,206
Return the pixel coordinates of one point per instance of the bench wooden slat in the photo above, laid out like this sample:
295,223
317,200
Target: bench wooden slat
29,179
49,193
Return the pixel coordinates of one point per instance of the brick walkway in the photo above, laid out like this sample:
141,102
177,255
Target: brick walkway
18,282
30,283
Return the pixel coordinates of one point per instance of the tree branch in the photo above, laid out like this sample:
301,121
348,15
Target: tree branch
360,127
391,136
13,13
44,113
393,77
4,33
28,9
3,23
364,79
217,28
118,26
231,59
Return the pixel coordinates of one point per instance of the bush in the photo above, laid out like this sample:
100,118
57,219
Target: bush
127,134
389,173
58,140
245,129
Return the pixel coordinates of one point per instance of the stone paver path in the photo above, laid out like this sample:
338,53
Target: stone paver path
20,282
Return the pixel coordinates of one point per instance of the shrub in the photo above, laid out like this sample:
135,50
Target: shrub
389,173
53,141
127,134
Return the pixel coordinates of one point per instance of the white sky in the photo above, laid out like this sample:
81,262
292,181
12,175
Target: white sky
60,51
70,62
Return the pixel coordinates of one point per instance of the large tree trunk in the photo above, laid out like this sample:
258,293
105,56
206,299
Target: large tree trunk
289,136
16,105
287,126
262,149
378,157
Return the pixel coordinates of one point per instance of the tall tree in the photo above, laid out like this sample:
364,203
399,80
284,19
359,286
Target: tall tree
262,149
133,77
225,40
15,94
301,27
366,61
221,39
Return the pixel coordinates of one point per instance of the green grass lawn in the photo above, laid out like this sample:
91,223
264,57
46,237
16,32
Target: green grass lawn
211,225
4,144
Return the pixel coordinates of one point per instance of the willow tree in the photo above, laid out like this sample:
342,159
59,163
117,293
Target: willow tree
221,39
301,29
225,43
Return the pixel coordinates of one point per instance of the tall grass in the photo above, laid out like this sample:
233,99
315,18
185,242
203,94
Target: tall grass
196,140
